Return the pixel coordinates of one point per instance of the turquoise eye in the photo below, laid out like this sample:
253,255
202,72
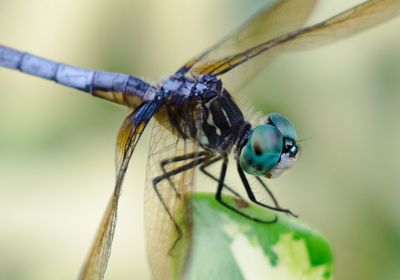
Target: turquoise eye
263,150
283,125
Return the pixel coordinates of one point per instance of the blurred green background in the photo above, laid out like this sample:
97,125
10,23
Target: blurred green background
57,144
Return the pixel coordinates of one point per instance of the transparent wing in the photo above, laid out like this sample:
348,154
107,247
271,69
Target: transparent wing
159,229
128,136
277,18
347,23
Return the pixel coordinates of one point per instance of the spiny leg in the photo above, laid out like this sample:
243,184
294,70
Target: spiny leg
218,196
253,198
271,195
167,161
208,174
167,175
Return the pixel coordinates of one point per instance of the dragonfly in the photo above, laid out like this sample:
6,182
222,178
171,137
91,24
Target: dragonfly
197,121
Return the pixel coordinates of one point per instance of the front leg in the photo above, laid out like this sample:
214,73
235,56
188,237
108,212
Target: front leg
218,196
253,198
203,168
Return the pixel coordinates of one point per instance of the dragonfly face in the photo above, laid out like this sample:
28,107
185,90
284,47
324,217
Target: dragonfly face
271,148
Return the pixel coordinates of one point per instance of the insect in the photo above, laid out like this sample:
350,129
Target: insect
198,123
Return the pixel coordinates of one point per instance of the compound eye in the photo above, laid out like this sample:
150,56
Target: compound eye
266,139
283,125
263,150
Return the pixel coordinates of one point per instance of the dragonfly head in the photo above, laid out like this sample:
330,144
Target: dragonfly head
271,148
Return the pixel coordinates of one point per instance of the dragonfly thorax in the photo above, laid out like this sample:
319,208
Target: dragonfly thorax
204,111
270,148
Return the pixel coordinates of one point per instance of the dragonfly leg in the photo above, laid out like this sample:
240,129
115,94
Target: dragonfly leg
271,195
253,198
202,158
167,161
218,197
203,168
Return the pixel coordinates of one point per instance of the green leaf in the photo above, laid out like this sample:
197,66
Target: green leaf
225,245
